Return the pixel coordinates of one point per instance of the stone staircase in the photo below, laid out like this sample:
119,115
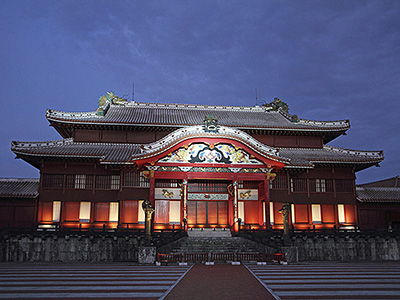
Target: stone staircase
213,244
209,232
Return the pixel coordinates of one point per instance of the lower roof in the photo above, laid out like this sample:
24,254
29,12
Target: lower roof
378,194
19,187
113,153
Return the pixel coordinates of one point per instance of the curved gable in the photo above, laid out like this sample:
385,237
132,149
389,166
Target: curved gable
196,144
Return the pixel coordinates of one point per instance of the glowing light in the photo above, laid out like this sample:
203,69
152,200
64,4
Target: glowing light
271,213
141,216
56,211
174,212
84,212
114,208
341,215
316,213
292,214
241,211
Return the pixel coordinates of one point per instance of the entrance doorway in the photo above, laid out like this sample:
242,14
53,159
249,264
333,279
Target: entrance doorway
207,212
208,203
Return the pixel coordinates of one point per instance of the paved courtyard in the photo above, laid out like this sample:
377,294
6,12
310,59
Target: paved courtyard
332,280
95,281
126,281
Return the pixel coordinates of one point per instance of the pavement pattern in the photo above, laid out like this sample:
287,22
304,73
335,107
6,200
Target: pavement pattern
87,281
343,281
219,282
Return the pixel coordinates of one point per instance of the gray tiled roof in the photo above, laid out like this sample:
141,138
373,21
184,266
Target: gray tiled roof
329,154
19,187
69,148
378,194
178,115
121,153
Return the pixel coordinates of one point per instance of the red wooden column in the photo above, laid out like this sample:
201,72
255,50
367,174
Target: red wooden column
152,189
184,200
266,200
230,210
235,206
260,210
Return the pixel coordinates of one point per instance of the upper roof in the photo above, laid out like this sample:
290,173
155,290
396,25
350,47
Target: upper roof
108,153
19,187
179,115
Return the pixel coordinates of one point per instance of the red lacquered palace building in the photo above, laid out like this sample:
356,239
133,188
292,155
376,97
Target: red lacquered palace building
208,165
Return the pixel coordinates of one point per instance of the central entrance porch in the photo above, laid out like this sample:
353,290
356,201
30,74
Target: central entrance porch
208,203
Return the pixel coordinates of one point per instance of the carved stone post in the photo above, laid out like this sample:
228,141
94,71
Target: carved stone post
148,210
285,211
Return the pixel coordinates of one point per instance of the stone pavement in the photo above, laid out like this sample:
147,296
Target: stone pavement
219,282
86,281
377,280
333,280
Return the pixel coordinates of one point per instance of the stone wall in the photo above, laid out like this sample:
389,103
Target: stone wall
342,248
50,248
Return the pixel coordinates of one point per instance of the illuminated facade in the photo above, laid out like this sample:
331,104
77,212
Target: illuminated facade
208,165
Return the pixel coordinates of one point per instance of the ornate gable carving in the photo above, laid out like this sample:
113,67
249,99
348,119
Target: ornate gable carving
210,154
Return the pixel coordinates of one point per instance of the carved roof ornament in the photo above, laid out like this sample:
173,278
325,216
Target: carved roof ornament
210,124
279,104
109,98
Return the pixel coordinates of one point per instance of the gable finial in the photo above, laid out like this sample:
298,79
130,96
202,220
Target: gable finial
210,124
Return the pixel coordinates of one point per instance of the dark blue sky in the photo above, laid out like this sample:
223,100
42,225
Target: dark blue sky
328,60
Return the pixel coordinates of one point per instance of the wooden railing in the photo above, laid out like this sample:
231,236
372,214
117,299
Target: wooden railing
229,256
195,257
169,258
221,257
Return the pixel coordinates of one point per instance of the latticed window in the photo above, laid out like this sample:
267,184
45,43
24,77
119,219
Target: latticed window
79,182
167,182
344,185
134,178
318,185
52,180
143,181
208,186
280,182
115,181
329,185
298,185
107,182
248,184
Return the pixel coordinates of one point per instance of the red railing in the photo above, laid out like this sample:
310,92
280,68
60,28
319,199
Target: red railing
195,257
223,256
274,257
249,256
168,258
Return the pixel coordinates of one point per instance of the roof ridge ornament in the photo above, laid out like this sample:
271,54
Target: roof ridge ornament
210,124
106,100
281,106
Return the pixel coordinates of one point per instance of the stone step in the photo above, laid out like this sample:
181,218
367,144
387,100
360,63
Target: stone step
214,244
209,232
